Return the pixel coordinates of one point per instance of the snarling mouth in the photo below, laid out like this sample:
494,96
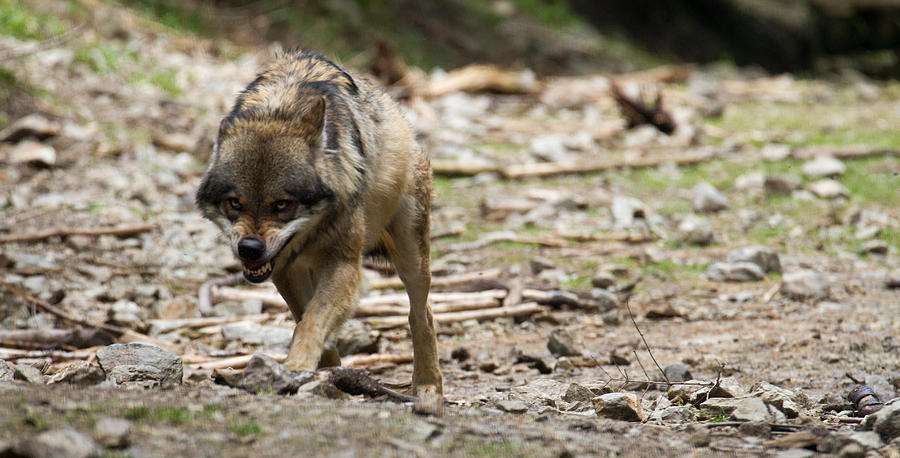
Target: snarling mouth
257,272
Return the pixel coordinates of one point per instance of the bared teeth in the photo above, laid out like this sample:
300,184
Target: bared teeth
263,270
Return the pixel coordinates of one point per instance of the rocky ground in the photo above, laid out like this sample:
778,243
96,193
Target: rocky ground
751,255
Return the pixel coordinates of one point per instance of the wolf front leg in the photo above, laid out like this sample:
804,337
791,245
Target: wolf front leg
331,304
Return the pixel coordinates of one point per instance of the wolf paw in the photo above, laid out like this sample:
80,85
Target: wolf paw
430,401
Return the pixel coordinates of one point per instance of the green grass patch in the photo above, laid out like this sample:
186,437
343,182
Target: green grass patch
874,180
183,16
163,79
105,58
171,415
245,428
18,21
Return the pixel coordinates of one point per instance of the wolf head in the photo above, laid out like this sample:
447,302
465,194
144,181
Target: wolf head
263,187
288,155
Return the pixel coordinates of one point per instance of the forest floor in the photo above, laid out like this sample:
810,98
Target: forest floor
602,236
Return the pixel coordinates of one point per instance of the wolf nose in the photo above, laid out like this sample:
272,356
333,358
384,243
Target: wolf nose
251,249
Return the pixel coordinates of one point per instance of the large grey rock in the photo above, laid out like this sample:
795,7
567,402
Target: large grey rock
887,422
356,337
576,393
694,229
741,409
539,393
112,432
734,271
140,362
823,166
765,258
619,406
804,284
562,343
706,198
665,412
58,443
257,334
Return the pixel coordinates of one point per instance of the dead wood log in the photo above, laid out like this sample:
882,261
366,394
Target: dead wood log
843,152
669,74
198,362
545,169
507,236
124,334
637,112
56,355
455,317
123,231
164,326
483,78
47,339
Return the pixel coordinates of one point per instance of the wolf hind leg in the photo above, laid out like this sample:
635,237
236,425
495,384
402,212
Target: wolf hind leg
408,244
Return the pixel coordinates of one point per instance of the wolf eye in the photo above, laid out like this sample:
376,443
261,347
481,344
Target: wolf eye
234,204
281,205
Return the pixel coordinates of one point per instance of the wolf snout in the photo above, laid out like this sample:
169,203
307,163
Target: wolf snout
251,249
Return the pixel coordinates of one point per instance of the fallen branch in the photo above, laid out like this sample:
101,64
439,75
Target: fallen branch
48,339
356,381
843,152
57,355
164,326
376,358
125,334
483,78
123,231
196,362
506,236
455,317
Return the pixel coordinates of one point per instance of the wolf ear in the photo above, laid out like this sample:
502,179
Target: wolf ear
313,122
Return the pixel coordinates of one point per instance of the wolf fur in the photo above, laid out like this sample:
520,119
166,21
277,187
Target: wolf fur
313,169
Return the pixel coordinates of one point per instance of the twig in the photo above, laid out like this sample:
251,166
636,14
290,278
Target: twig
14,353
455,317
163,326
439,282
123,231
204,302
646,345
767,297
239,362
128,334
507,236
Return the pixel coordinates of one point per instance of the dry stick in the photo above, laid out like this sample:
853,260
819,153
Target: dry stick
122,332
14,353
239,362
122,231
455,317
646,345
445,281
163,326
506,236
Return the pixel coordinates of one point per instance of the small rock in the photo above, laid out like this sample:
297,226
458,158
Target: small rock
539,264
561,342
734,271
823,166
892,279
356,337
868,439
140,362
760,429
604,300
766,259
58,443
706,199
852,450
878,247
257,334
791,403
323,388
539,393
7,371
32,125
550,148
603,280
828,189
699,438
881,386
795,453
626,209
696,230
78,373
112,432
262,375
564,364
512,406
887,422
749,182
577,392
127,313
674,414
741,409
33,153
782,185
677,373
460,354
238,308
29,373
619,406
775,151
804,284
175,141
